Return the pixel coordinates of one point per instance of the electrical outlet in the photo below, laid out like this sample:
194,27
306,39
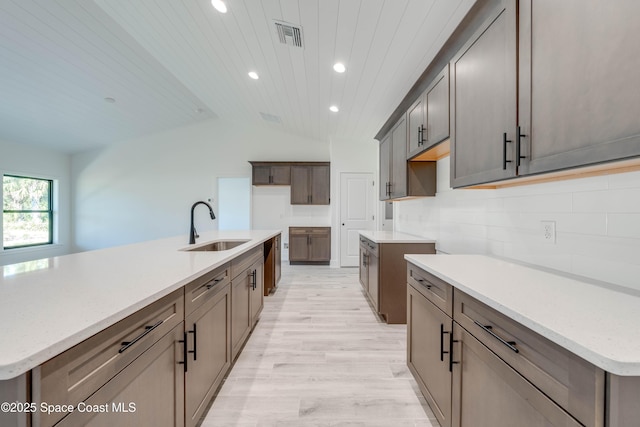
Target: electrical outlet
549,231
286,246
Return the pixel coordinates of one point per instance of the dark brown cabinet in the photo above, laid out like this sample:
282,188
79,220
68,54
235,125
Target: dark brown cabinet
247,296
428,344
484,102
519,108
428,117
398,177
310,184
270,173
475,366
309,245
208,347
272,263
383,275
579,107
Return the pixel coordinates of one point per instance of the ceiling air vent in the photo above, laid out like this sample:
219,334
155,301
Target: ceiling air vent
289,34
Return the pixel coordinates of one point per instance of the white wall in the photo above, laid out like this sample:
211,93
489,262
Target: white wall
597,223
143,189
40,163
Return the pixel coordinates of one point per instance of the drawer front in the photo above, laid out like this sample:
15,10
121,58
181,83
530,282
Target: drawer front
573,383
74,375
200,290
434,289
246,260
368,246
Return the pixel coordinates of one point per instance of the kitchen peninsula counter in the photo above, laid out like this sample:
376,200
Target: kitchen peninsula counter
48,306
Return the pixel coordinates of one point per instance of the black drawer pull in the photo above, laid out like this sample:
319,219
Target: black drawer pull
184,351
422,282
148,329
505,141
442,352
214,282
510,344
195,343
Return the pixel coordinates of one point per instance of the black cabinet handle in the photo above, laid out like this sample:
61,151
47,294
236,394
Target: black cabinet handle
451,362
184,351
421,281
519,157
254,276
195,343
214,282
505,141
148,329
487,328
442,333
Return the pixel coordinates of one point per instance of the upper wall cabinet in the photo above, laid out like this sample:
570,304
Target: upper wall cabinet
310,184
545,86
578,69
399,178
270,173
484,102
428,117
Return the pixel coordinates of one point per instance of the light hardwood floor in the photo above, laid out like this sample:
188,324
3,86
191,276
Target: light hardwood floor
320,357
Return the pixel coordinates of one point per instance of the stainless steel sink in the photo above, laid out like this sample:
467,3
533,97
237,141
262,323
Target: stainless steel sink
223,245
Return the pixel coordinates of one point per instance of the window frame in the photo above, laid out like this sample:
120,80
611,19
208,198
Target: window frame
50,213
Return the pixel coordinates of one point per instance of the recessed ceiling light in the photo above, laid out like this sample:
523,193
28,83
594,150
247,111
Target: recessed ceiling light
254,75
339,67
110,100
334,109
219,6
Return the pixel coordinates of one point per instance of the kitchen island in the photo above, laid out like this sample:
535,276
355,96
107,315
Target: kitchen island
52,306
492,341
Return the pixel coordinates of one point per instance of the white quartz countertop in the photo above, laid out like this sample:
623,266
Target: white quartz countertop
595,321
393,237
49,305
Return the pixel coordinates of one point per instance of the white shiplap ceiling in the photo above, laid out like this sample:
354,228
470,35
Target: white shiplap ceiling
170,63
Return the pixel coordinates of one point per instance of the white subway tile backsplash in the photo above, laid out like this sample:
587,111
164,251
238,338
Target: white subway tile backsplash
624,225
597,223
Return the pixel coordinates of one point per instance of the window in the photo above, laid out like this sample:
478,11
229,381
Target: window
27,211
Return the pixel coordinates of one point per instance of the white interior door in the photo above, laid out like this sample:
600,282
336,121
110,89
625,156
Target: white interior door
356,213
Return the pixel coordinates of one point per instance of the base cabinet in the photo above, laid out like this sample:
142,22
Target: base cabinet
383,274
131,398
208,352
272,264
309,245
428,344
488,392
247,297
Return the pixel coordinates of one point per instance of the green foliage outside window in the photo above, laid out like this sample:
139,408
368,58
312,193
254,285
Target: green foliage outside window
27,213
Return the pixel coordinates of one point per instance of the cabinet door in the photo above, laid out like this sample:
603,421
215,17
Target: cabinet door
364,276
240,312
437,110
320,185
416,125
320,245
385,167
278,260
148,392
487,392
300,184
256,291
280,175
483,102
399,159
261,175
298,245
373,276
578,104
427,328
209,353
